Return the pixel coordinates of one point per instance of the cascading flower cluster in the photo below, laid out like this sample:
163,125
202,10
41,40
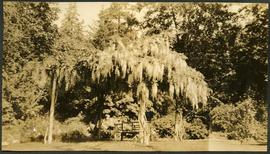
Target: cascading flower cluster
149,61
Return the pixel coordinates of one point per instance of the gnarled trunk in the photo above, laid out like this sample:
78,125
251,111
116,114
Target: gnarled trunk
179,127
144,128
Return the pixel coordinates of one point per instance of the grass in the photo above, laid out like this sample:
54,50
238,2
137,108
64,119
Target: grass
215,142
162,145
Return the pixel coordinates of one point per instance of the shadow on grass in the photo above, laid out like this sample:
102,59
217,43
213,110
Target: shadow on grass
259,144
77,137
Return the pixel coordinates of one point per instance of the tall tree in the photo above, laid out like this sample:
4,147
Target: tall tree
72,36
250,58
215,39
69,48
208,40
117,20
29,34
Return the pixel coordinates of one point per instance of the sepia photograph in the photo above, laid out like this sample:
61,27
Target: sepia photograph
134,76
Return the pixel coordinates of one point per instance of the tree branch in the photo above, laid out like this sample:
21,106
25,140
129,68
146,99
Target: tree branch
216,99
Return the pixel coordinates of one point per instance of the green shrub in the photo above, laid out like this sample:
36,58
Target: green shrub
74,130
11,134
25,131
259,132
8,115
262,113
34,129
239,132
164,126
196,130
73,136
223,117
238,121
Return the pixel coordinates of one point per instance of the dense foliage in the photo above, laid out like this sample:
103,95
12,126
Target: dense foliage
164,57
29,34
239,121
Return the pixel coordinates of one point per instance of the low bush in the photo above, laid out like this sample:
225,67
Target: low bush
259,132
164,126
73,136
11,134
34,129
223,117
193,130
196,130
26,131
74,130
238,122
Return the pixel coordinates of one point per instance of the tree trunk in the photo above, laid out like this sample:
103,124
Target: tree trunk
210,125
118,24
144,128
46,136
175,25
53,101
99,126
100,113
178,125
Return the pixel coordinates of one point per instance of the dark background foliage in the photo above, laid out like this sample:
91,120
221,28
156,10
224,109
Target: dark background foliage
228,47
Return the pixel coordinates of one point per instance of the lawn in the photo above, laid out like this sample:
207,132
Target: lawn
162,145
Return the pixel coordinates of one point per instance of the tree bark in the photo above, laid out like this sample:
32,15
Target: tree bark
99,126
175,25
99,116
46,136
118,24
210,125
178,124
53,101
144,128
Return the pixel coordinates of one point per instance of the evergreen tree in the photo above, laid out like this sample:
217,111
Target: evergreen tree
29,34
117,20
250,57
70,47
